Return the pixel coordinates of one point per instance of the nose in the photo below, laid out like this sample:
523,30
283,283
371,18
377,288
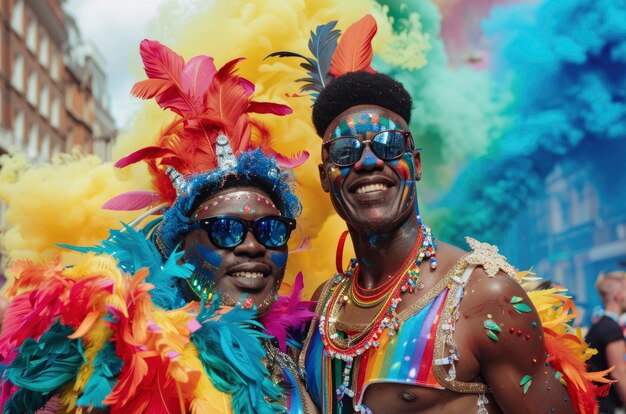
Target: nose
368,160
250,246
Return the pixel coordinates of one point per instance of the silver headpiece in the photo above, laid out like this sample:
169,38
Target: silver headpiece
178,181
225,157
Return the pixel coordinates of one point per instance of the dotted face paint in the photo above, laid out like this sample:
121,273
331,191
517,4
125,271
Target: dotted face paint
234,196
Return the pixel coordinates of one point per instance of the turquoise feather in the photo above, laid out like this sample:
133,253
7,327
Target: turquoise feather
106,366
135,250
231,351
42,368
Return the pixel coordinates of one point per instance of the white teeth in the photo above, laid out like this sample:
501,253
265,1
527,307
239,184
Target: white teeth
369,188
251,275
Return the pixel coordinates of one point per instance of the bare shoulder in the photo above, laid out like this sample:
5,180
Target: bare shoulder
318,292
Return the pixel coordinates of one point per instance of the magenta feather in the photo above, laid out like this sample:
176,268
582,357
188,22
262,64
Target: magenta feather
290,162
197,77
132,200
29,315
146,153
269,108
288,314
184,95
247,85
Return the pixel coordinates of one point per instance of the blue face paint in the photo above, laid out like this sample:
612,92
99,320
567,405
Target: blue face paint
279,259
375,239
205,262
369,159
213,258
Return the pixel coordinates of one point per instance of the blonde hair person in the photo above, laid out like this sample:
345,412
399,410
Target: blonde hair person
607,337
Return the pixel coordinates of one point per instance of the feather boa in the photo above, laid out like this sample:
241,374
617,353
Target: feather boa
288,317
111,343
566,351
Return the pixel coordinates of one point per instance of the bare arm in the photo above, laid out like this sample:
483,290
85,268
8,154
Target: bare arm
514,365
615,352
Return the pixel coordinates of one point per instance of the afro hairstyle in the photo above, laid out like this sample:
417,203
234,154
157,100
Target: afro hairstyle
358,88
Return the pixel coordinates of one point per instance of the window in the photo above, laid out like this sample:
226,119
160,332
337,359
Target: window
31,93
56,149
33,138
44,154
17,76
18,129
55,114
44,50
54,64
44,102
17,18
31,36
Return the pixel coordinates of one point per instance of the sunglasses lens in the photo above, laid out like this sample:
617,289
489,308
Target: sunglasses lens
227,232
345,151
388,145
272,232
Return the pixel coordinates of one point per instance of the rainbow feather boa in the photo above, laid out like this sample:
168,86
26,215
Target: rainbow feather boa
111,331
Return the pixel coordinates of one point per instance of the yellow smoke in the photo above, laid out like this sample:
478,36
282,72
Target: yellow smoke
233,28
57,203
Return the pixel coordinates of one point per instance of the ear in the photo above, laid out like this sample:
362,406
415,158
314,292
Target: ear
417,161
323,177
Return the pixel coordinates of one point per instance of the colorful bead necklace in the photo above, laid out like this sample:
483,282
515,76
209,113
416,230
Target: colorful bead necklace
367,298
386,320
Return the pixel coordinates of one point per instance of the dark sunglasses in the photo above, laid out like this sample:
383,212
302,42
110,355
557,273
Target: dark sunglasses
227,231
386,145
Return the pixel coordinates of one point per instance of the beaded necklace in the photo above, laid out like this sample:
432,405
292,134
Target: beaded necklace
367,298
406,280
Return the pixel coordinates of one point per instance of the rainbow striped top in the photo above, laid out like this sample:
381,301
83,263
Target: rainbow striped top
406,358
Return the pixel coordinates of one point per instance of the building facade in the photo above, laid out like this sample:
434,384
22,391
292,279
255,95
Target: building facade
575,228
53,93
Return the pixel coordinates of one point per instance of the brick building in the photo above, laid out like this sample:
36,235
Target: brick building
52,86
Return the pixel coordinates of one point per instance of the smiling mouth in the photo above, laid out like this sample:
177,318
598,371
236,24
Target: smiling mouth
249,275
370,188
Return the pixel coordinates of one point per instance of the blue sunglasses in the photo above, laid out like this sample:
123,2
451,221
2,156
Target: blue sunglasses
345,151
227,232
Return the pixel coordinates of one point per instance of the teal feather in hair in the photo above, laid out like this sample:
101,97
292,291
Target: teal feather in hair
42,367
229,345
106,366
322,45
135,250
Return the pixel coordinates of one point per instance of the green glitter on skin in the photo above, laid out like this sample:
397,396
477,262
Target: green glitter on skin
525,382
519,306
492,329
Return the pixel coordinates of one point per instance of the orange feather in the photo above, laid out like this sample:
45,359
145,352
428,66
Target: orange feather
149,88
354,51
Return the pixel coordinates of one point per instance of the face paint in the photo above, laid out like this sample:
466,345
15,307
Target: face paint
336,176
363,123
405,168
373,210
279,259
205,260
235,196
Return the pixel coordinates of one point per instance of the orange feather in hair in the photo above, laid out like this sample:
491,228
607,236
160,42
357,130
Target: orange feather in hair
354,51
228,99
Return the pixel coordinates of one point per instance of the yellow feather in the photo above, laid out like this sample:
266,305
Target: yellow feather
206,398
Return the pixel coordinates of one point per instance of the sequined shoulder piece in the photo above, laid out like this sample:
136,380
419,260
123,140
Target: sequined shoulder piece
487,256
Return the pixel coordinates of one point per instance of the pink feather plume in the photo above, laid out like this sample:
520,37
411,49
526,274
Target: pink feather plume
288,314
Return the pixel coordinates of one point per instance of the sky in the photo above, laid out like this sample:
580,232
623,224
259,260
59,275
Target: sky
115,28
